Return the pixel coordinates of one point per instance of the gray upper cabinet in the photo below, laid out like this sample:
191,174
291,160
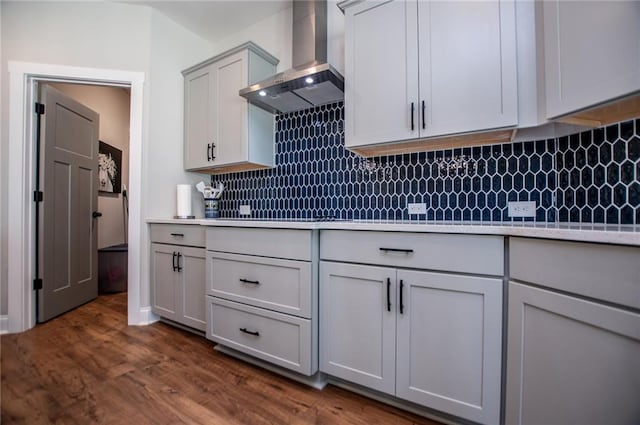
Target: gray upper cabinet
222,131
592,53
420,69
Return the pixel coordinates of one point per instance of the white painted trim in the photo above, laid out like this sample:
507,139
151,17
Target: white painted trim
146,317
22,76
4,324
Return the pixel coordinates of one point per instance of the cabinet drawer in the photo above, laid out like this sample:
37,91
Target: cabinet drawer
280,243
280,285
176,234
274,337
453,253
605,272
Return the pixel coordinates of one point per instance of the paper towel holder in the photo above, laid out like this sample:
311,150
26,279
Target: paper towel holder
183,202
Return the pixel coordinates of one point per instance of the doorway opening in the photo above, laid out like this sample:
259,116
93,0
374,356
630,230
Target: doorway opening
23,82
107,149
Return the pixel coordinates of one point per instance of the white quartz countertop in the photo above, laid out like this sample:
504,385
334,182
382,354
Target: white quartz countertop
600,233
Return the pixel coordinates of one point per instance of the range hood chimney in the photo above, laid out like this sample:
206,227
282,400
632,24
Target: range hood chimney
312,81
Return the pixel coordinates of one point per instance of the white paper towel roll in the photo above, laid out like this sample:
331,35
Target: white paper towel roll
183,204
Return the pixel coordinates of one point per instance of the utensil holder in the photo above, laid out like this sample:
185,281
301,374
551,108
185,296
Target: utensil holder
211,208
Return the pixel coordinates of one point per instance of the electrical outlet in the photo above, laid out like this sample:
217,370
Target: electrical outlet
245,209
522,209
417,208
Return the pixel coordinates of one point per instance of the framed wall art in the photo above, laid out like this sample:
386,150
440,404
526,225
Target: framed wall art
109,168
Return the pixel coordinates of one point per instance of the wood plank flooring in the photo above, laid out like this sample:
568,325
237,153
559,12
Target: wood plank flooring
89,367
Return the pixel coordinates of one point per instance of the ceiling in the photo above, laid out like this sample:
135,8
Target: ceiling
215,19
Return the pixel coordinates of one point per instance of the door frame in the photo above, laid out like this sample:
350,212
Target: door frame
23,80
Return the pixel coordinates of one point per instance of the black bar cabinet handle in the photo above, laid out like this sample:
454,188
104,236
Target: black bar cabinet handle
244,330
401,303
178,262
413,110
253,282
209,150
213,145
388,294
406,251
173,261
181,235
424,124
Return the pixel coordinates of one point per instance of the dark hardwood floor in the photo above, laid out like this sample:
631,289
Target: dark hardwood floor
89,367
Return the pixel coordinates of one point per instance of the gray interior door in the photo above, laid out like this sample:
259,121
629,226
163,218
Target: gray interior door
69,180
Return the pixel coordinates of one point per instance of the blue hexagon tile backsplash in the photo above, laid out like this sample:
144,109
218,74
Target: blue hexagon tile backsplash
589,177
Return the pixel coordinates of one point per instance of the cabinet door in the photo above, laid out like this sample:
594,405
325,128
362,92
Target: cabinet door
198,113
570,360
164,281
381,72
467,66
192,286
357,329
230,110
592,53
449,343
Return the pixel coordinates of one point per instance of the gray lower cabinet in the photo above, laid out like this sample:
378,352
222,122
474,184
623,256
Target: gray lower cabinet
572,358
357,333
571,361
262,294
178,275
429,337
449,340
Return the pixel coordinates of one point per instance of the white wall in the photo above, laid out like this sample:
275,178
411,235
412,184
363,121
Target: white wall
169,55
129,37
112,104
335,36
274,35
107,35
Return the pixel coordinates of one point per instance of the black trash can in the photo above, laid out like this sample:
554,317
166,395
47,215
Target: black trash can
112,269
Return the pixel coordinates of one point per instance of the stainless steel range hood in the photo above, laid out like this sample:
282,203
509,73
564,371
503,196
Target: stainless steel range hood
312,81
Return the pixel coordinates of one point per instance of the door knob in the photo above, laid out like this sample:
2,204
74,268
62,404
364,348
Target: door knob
96,214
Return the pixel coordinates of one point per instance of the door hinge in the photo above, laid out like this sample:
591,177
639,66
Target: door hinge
37,284
39,108
38,196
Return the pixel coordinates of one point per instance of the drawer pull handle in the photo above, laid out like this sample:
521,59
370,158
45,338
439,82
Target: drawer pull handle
180,235
401,303
244,330
406,251
388,294
253,282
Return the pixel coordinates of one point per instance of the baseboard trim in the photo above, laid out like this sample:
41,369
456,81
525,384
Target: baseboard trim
4,324
146,317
